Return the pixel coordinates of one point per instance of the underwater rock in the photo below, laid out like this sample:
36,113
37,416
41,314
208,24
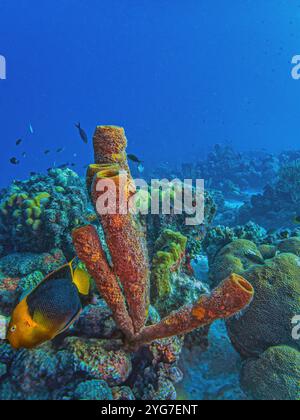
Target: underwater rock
290,245
3,370
37,374
7,353
122,393
101,359
8,295
96,321
152,384
22,264
267,321
279,202
93,391
41,212
155,369
166,350
20,273
164,391
273,376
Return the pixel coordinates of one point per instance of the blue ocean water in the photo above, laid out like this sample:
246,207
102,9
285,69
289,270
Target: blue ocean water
178,75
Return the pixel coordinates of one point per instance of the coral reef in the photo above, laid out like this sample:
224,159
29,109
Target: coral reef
263,332
279,202
40,213
101,359
20,273
151,294
131,266
219,236
276,302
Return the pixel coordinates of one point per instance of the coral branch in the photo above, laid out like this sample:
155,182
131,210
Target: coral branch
233,295
90,251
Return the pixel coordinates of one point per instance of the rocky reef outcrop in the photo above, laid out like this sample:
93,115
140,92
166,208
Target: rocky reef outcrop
279,203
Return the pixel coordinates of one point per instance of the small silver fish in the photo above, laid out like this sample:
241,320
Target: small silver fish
31,129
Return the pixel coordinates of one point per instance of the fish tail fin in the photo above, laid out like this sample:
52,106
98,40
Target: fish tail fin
78,125
82,281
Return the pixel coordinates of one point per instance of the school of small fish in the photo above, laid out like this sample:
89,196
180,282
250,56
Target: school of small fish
83,136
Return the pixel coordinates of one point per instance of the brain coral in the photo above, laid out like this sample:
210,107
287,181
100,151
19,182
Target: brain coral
236,257
273,376
38,214
267,322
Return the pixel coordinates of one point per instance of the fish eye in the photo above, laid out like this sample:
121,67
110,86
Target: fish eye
13,329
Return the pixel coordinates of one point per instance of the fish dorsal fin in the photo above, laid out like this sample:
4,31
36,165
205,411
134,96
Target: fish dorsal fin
61,272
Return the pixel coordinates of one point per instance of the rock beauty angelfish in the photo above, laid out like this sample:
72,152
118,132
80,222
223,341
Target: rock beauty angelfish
49,309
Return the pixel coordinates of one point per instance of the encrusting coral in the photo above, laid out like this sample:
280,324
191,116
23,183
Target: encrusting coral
130,264
170,252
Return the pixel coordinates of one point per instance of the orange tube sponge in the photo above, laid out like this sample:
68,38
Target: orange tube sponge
93,169
90,251
230,297
126,242
110,146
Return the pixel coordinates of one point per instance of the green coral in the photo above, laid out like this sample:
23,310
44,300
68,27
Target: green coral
267,321
267,251
235,257
170,249
25,210
28,283
273,376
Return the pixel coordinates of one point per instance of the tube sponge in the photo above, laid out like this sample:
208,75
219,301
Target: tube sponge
127,245
110,146
232,295
90,251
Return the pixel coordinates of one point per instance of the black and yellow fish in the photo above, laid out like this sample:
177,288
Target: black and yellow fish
49,309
